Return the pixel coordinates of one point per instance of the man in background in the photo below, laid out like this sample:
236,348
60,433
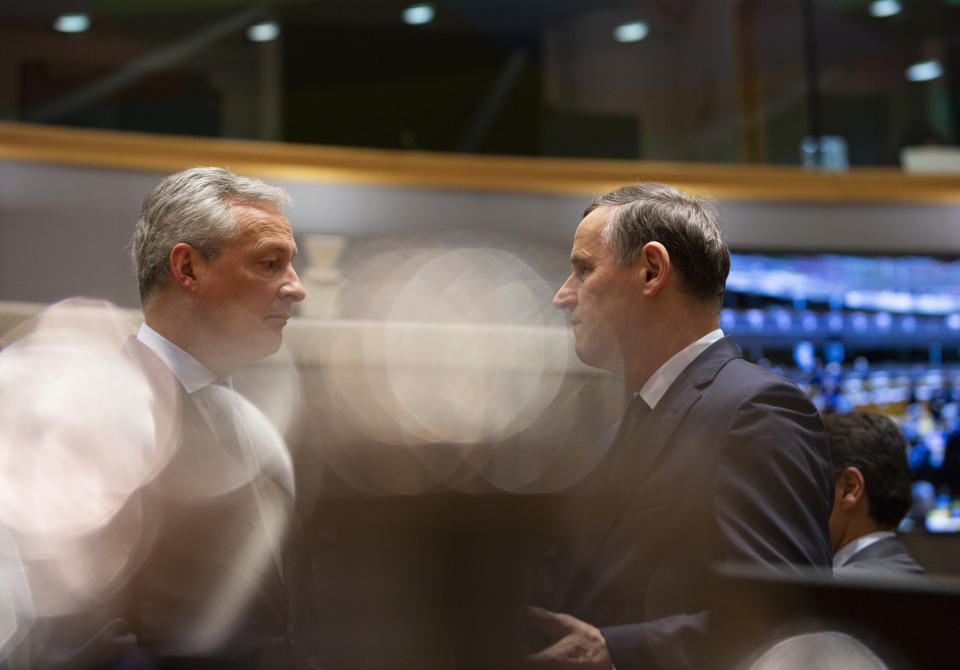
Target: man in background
716,459
872,480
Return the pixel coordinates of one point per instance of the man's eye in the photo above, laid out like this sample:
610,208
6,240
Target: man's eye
271,265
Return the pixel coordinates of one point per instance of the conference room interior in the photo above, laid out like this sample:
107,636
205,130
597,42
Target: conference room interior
439,156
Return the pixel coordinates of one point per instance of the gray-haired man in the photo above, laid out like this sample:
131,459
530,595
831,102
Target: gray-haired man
213,253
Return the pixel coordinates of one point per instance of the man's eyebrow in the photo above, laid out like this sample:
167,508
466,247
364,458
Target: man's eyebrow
274,247
580,257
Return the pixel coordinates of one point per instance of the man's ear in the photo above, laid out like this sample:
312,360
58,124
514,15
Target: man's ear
185,262
851,487
653,268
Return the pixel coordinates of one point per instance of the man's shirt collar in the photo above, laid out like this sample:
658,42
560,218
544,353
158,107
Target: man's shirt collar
667,373
191,373
843,556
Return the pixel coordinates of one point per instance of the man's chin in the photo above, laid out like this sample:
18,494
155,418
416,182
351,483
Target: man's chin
587,355
597,359
266,344
272,345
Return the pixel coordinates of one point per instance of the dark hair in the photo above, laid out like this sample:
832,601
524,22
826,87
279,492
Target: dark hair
688,227
874,445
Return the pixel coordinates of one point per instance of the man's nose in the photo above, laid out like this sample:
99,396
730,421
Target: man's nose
566,297
292,289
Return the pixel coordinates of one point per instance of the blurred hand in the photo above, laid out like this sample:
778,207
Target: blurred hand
574,644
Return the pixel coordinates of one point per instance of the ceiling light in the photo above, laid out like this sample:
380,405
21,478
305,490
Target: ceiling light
880,8
631,32
925,70
263,32
72,23
418,14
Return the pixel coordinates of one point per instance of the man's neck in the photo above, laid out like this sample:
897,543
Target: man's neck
663,378
174,323
191,373
660,347
857,528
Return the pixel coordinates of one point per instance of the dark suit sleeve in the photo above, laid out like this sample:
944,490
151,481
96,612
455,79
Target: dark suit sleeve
669,642
773,487
771,502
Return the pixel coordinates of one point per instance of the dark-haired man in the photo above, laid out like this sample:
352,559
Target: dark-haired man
872,479
716,460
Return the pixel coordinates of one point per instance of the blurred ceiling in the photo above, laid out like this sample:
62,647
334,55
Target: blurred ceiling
715,80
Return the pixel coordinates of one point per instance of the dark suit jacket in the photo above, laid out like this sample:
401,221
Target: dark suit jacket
884,558
209,542
732,465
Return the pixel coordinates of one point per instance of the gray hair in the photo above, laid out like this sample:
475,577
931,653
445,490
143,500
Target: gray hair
687,226
191,206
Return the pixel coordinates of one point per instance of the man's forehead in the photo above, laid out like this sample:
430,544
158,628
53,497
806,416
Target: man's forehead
259,219
587,238
257,210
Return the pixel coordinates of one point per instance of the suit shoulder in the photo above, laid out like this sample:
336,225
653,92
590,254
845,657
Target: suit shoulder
746,381
742,368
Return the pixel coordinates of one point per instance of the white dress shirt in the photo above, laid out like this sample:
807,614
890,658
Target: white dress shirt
667,373
191,373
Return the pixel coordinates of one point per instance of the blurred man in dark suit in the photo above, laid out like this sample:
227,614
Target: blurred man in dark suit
872,479
183,548
716,460
213,253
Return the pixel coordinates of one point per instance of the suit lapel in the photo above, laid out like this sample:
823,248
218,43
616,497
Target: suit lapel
682,395
635,453
661,424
